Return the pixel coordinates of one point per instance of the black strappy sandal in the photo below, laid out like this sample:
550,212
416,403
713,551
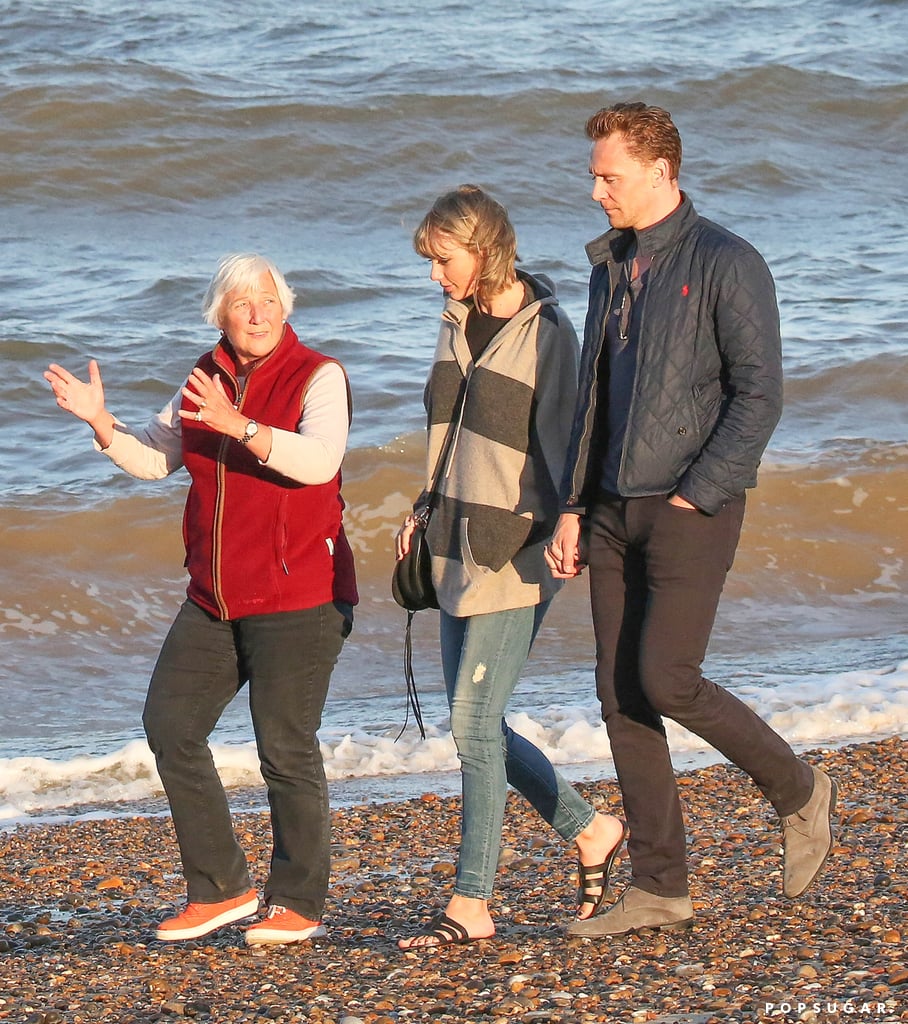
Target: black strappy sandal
593,888
447,931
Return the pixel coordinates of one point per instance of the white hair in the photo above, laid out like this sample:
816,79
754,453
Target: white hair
242,271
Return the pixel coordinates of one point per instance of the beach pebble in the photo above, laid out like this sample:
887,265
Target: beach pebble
689,971
344,863
93,948
444,869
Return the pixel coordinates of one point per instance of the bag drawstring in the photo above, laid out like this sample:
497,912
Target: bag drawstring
412,695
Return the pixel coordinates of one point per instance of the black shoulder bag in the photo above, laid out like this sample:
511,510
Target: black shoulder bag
411,583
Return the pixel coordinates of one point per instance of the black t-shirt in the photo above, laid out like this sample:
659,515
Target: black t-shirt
481,327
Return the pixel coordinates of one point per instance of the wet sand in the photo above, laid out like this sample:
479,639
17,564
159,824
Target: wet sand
79,900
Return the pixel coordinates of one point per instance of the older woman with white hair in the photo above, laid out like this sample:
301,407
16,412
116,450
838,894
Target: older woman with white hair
261,427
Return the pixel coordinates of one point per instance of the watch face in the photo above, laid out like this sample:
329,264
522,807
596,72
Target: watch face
252,428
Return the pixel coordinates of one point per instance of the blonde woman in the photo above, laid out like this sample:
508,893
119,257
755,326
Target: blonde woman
499,400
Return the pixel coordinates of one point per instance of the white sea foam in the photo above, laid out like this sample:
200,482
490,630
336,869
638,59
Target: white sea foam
809,710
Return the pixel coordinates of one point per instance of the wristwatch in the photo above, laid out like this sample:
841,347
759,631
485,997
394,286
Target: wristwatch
252,428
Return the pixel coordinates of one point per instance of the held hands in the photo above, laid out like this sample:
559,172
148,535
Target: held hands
562,553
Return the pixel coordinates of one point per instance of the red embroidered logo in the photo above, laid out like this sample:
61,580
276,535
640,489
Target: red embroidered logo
685,290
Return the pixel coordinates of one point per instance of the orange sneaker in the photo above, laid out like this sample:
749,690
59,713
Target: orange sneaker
283,925
201,918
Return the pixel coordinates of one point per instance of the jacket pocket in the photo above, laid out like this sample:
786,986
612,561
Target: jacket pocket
707,398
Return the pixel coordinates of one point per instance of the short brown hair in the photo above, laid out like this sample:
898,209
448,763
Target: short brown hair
477,222
649,132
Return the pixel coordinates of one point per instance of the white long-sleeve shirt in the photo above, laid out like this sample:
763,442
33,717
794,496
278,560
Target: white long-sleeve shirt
310,455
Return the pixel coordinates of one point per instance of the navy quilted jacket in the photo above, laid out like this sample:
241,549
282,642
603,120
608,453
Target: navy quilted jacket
708,384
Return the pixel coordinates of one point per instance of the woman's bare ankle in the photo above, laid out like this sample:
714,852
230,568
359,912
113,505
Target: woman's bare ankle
472,913
602,834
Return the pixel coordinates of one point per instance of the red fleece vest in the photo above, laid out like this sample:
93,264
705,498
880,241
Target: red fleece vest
256,542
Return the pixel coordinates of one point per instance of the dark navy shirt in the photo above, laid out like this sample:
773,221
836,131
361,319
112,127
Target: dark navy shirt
622,336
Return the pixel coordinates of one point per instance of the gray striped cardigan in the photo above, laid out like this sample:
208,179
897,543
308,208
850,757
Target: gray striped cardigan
497,498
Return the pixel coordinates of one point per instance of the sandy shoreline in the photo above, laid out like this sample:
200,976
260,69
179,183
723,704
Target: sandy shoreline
79,900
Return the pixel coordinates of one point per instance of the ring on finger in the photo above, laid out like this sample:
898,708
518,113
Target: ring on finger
198,416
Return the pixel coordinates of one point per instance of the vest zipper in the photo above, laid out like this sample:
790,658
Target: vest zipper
217,525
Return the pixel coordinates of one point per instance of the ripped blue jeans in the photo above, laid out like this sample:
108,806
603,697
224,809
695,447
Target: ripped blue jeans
482,657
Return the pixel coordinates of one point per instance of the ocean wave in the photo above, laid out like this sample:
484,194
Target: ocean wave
127,133
845,494
142,143
830,710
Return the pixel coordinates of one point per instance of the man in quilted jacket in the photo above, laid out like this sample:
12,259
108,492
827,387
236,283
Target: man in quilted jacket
680,390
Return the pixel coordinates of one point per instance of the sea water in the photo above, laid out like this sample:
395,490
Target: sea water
140,144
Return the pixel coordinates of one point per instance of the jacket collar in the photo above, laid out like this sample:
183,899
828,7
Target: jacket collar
614,245
456,312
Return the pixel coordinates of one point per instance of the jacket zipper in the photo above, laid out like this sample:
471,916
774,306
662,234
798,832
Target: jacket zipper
633,402
588,427
586,433
217,525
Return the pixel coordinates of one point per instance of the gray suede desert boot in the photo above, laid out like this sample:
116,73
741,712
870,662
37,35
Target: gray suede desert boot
807,836
635,911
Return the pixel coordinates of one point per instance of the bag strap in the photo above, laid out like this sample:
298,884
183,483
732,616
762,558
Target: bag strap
444,456
412,695
447,448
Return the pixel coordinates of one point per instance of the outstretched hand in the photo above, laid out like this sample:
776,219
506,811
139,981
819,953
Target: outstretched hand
81,398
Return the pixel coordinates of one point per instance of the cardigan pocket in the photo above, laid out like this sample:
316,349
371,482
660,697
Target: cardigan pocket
491,539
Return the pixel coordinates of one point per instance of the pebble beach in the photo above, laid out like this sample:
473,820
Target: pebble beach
80,900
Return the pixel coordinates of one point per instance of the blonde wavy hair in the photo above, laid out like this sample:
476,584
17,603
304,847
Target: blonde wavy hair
472,219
